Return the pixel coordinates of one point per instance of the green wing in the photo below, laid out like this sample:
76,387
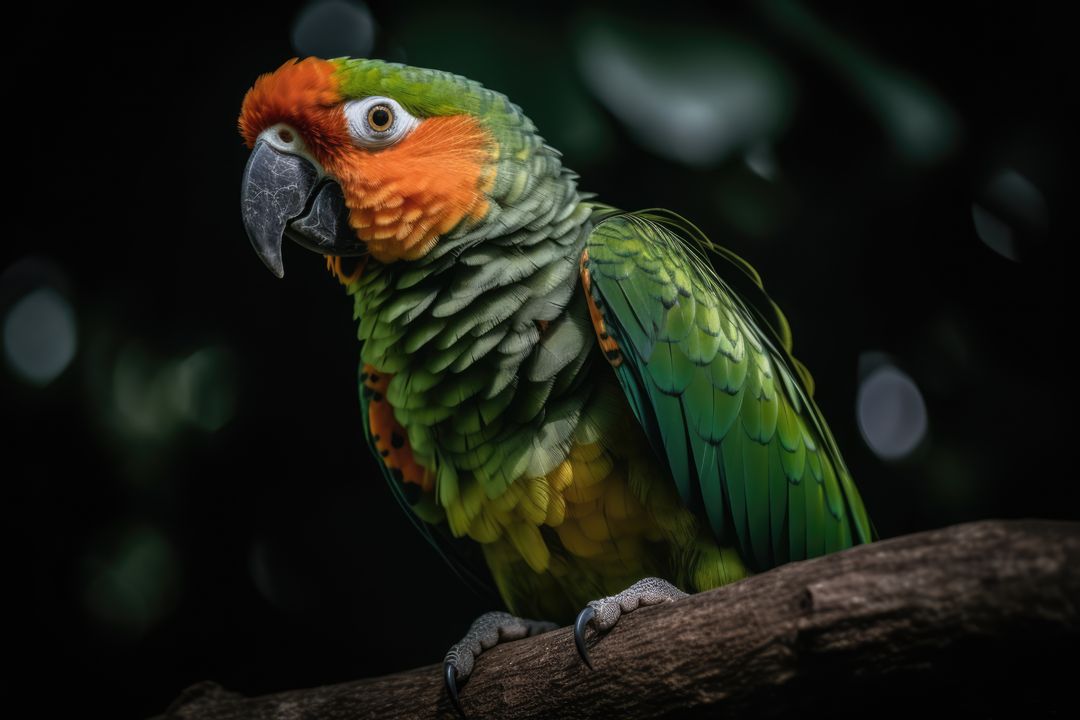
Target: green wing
710,376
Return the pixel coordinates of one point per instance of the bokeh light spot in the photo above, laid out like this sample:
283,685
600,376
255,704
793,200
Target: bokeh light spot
923,126
891,413
131,581
155,399
695,98
259,568
39,336
141,409
1012,210
334,28
762,161
997,235
203,388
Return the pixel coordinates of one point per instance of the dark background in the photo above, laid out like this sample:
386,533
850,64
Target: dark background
190,498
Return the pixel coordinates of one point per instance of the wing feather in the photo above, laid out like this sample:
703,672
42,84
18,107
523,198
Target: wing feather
709,374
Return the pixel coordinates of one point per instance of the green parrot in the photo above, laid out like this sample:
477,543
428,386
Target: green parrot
568,391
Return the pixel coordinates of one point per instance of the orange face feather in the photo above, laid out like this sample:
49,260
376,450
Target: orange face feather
400,198
303,94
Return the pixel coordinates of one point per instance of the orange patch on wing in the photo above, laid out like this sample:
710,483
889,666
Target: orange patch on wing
391,440
304,94
403,197
607,343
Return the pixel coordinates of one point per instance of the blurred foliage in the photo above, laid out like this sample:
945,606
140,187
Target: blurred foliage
188,494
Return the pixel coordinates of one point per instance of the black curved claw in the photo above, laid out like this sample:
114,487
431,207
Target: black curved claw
449,675
583,619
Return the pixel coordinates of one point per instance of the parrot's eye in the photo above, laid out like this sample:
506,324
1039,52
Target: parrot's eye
380,118
377,122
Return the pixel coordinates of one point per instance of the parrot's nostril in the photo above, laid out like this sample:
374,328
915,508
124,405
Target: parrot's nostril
285,136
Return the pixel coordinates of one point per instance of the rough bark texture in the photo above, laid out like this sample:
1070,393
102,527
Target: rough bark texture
980,619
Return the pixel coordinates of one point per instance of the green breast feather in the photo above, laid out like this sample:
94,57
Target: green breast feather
711,378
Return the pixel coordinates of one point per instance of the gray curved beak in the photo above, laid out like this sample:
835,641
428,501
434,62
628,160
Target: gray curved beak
275,190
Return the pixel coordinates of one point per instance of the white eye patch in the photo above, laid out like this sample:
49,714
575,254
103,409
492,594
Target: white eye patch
377,122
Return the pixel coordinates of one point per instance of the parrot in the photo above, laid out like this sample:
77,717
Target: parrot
588,409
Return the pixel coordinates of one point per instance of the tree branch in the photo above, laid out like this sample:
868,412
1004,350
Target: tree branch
981,618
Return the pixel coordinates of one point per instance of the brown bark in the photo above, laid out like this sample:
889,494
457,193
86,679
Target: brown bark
978,619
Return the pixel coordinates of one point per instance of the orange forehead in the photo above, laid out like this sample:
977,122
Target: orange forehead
302,93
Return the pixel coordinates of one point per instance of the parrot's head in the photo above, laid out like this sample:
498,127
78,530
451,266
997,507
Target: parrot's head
355,157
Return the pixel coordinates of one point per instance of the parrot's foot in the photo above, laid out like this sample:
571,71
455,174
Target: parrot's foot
604,613
486,632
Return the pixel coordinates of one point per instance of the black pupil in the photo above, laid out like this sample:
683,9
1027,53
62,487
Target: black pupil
380,118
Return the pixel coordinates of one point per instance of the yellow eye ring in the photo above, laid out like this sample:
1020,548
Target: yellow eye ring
380,118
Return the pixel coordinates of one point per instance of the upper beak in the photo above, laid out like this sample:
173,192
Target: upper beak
276,189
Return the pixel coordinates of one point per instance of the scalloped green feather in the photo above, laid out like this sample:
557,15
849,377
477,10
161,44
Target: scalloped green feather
778,504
